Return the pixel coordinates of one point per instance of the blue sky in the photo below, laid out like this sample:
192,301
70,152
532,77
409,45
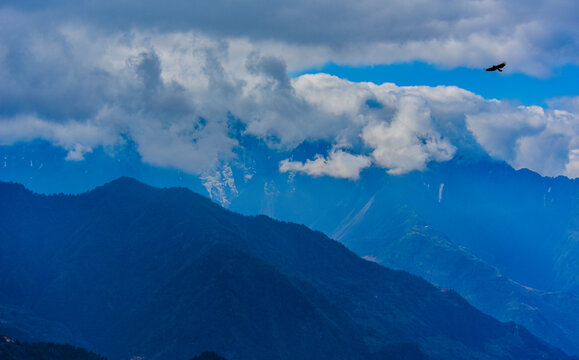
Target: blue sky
94,90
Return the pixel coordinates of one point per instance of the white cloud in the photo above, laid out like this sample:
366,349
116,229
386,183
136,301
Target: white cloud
407,142
76,137
499,128
572,168
89,90
181,145
542,140
568,103
416,125
172,94
77,153
338,164
534,36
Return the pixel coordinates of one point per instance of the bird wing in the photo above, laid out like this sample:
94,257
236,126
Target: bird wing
497,67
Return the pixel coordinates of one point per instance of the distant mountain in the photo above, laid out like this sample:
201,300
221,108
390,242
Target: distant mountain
513,224
419,249
11,349
518,221
504,239
167,274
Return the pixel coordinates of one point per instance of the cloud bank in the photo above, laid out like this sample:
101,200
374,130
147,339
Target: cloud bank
532,35
173,94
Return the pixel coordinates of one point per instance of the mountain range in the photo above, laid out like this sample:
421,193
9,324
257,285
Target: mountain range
133,270
506,240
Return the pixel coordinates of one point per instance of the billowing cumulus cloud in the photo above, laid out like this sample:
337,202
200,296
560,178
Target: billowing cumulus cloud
173,94
409,141
407,127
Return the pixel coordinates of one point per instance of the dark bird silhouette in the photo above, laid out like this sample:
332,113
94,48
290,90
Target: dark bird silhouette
498,67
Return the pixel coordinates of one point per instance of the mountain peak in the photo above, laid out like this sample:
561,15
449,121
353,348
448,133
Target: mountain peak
122,185
126,181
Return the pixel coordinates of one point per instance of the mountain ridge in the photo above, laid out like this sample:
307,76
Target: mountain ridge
122,250
515,221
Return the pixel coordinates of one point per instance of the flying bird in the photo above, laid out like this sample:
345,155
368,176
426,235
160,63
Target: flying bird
498,67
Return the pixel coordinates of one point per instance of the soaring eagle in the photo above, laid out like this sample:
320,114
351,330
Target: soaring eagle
498,67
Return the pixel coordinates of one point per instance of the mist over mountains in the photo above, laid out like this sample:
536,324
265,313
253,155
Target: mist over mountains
474,225
504,239
165,273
